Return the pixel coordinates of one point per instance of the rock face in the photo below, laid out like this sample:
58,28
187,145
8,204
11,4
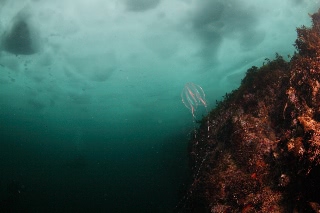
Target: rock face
259,149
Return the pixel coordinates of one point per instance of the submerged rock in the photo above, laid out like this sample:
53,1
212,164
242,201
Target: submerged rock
259,149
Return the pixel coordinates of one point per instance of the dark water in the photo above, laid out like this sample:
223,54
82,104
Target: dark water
52,167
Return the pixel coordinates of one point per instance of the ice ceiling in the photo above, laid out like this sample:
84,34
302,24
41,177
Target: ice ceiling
119,60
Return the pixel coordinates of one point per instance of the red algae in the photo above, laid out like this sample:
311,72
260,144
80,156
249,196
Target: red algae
262,151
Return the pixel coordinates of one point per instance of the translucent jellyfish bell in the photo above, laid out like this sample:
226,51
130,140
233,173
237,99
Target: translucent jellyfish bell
192,96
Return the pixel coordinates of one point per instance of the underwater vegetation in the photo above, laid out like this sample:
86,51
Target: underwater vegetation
260,149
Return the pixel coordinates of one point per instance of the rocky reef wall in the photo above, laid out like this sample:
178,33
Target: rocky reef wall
259,149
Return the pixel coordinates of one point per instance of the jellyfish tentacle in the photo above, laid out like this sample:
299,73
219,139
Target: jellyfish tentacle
192,96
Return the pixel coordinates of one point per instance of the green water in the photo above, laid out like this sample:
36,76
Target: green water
91,118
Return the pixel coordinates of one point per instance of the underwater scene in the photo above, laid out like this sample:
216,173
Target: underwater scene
159,106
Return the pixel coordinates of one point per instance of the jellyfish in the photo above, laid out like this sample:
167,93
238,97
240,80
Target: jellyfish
192,96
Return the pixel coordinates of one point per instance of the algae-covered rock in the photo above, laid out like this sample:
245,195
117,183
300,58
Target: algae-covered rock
259,149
